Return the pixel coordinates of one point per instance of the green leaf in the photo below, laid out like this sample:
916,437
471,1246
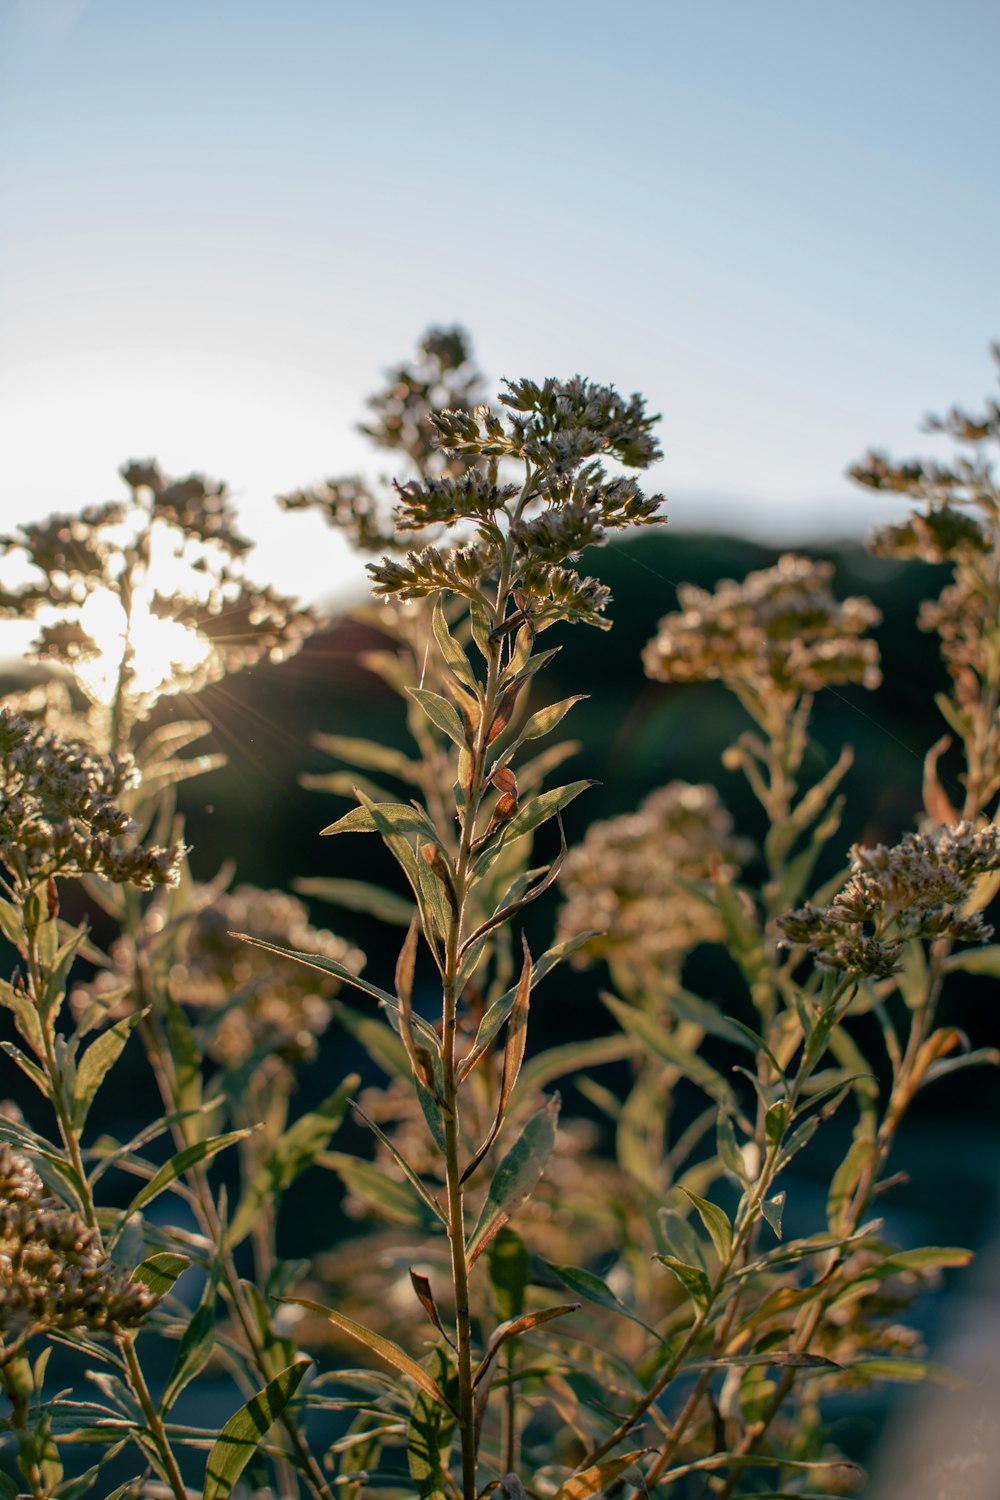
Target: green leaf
692,1278
187,1069
977,961
407,1170
500,1009
595,1480
25,1015
573,1057
291,1154
908,1370
394,1200
358,820
30,1069
931,1257
367,754
177,1166
716,1222
778,1359
430,1432
665,1045
773,1209
379,1040
159,1272
516,1176
98,1059
246,1429
194,1351
358,895
729,1152
377,1343
543,722
325,965
845,1180
539,809
440,712
510,1272
513,1329
589,1286
454,657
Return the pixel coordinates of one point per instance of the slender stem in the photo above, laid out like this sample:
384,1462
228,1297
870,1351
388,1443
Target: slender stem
451,997
153,1420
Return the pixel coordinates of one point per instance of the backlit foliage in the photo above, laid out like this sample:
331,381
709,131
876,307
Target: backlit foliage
521,1309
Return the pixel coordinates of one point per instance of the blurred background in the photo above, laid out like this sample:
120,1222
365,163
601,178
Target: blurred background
779,222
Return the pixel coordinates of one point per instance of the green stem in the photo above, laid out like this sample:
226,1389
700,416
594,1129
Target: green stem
451,997
154,1421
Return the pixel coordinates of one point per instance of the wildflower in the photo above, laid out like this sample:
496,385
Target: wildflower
918,888
149,595
53,1270
59,812
559,432
781,632
635,878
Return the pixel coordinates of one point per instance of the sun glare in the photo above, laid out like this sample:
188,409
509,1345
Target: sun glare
161,649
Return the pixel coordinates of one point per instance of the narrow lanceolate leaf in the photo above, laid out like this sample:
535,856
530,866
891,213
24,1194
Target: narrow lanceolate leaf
368,754
516,1176
773,1209
325,965
246,1429
390,1199
591,1287
383,1347
498,1012
779,1359
513,1056
402,815
99,1057
692,1278
454,656
358,895
514,1328
294,1151
666,1046
425,1296
408,1171
194,1351
539,809
715,1221
159,1272
430,1432
596,1479
440,712
543,722
177,1166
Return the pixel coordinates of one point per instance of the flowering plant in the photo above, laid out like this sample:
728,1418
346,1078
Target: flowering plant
529,1313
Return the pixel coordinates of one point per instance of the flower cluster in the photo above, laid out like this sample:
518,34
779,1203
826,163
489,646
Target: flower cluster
915,889
53,1270
635,880
779,632
59,813
942,534
267,1005
99,583
559,432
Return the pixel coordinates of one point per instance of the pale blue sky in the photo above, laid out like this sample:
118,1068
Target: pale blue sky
219,221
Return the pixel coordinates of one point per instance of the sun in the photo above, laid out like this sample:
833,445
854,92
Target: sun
163,654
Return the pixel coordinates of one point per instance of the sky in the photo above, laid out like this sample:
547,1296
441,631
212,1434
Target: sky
220,222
